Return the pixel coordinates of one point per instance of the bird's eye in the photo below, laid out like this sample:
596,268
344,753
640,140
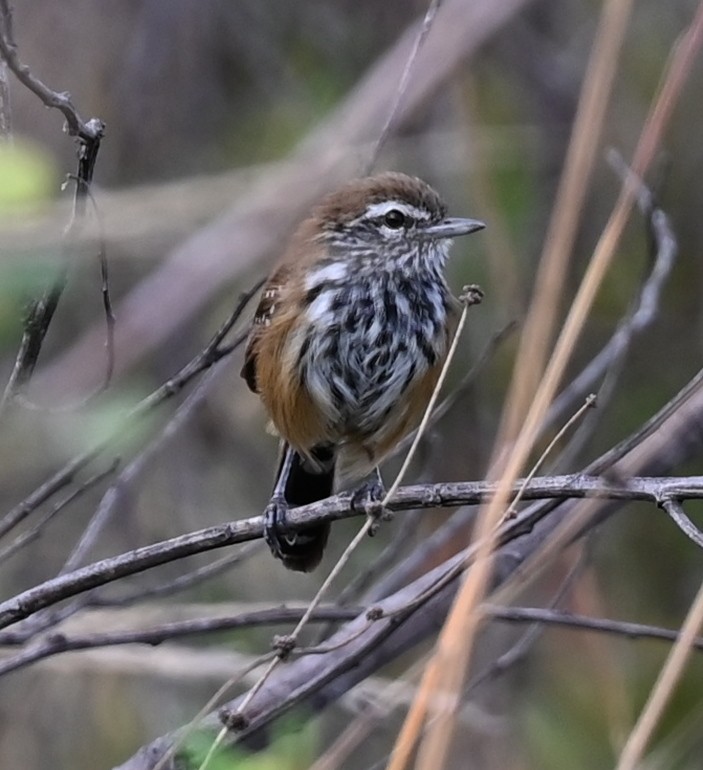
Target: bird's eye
395,219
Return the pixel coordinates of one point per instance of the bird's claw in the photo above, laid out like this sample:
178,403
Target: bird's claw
368,498
275,517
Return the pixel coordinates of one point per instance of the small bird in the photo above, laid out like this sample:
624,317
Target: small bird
348,341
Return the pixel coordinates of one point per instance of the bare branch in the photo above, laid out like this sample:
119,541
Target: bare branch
135,468
108,570
404,80
89,135
34,532
564,619
213,352
89,132
182,582
56,643
675,510
679,436
642,315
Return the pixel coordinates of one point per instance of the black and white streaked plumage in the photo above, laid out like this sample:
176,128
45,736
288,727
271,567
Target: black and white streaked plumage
353,327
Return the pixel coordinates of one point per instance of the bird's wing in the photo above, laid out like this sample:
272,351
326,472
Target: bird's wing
267,308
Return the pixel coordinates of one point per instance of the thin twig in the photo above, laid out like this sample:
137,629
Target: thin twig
467,381
110,322
520,649
42,311
131,472
59,643
110,319
589,403
668,677
89,131
359,582
34,532
404,80
213,352
292,638
283,647
645,308
197,719
651,426
675,510
182,582
563,619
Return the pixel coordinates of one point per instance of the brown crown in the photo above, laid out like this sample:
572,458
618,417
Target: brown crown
351,200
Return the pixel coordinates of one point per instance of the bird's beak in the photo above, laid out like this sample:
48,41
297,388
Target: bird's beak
452,227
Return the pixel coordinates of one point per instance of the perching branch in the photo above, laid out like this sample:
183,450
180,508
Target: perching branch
338,507
412,612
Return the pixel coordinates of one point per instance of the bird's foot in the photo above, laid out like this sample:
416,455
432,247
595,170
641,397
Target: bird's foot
275,517
368,499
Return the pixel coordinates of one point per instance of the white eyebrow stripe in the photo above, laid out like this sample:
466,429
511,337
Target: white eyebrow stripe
381,209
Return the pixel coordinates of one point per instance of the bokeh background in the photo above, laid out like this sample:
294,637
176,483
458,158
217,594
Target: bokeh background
224,120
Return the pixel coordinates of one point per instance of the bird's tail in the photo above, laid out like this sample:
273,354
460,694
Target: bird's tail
310,479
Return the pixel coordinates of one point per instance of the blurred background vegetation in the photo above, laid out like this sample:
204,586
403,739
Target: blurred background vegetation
202,101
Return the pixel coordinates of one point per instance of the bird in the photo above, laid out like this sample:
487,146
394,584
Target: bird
349,338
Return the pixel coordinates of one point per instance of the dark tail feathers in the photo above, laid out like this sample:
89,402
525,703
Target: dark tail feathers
308,483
